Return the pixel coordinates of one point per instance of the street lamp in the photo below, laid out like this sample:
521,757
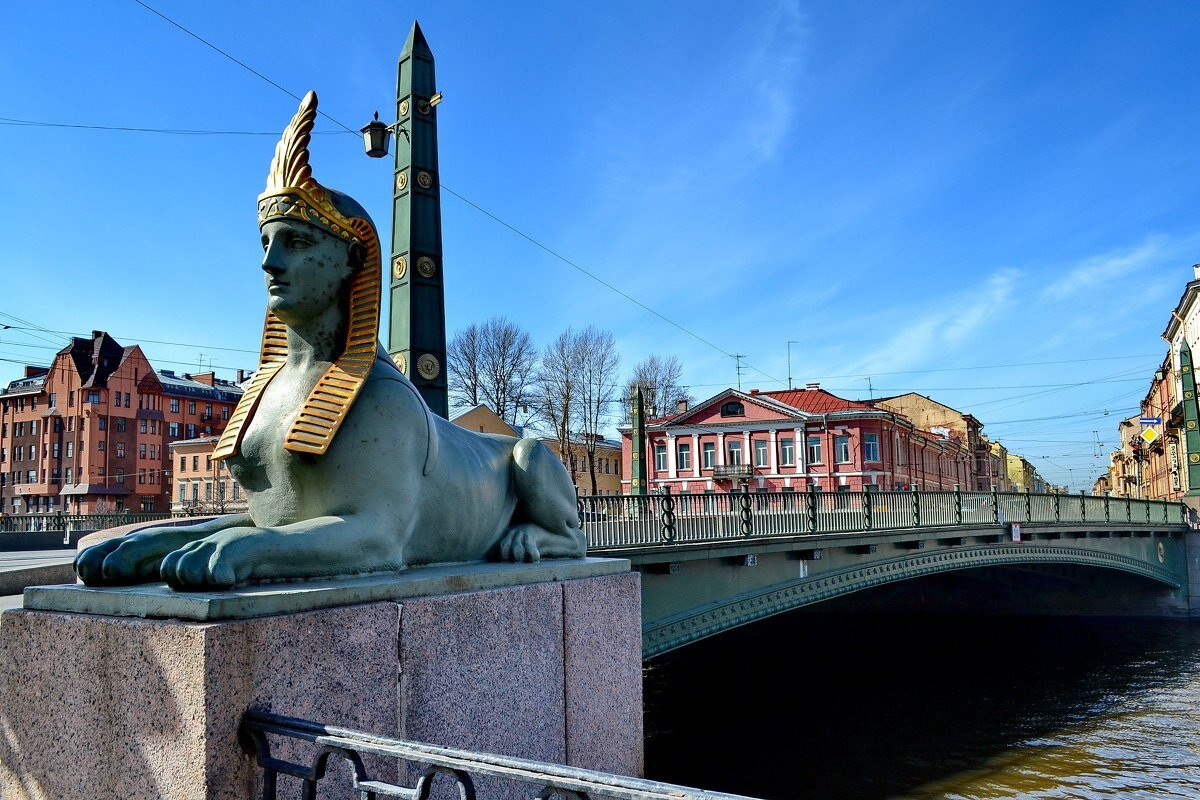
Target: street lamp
376,136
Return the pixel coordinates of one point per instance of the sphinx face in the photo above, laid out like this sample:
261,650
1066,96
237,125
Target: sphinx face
306,270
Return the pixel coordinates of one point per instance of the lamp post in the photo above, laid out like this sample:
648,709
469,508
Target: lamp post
789,349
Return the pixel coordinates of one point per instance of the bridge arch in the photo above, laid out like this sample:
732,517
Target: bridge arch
711,618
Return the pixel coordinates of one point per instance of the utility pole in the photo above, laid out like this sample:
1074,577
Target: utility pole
789,349
417,324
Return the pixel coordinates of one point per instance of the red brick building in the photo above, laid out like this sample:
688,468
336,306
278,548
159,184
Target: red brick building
90,431
791,440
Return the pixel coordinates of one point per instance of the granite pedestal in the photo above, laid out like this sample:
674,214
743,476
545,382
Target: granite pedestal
107,706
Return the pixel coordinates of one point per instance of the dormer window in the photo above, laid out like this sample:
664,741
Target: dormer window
733,408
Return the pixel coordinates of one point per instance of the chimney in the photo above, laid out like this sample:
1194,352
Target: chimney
241,375
1196,271
812,386
206,378
682,405
754,391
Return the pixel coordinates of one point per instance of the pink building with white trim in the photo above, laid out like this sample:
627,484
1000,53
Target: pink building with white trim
792,440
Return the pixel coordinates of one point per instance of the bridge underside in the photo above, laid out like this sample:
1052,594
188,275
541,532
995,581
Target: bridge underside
692,592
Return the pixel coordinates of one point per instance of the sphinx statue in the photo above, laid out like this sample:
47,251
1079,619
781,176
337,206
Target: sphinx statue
345,468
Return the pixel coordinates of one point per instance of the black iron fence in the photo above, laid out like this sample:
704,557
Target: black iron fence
619,521
459,767
66,523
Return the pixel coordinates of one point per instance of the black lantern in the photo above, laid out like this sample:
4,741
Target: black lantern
375,138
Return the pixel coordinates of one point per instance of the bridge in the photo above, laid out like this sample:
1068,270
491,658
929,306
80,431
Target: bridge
713,562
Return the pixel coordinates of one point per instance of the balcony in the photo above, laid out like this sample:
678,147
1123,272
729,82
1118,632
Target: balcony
735,472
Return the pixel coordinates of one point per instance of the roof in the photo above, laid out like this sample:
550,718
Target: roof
817,401
184,386
200,440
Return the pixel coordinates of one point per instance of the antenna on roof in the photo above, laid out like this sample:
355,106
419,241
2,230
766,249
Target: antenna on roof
738,357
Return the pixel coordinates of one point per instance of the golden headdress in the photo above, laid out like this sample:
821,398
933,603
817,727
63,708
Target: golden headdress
293,193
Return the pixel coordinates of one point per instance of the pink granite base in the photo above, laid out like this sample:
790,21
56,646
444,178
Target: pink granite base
111,707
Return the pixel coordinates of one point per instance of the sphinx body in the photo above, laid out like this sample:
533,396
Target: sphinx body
346,470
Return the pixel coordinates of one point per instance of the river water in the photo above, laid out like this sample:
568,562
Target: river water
872,707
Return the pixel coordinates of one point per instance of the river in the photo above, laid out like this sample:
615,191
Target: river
873,707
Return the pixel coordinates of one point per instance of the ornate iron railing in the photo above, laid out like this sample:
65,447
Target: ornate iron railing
33,523
459,766
623,521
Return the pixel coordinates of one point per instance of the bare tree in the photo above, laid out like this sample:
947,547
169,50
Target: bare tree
557,382
596,351
493,363
660,377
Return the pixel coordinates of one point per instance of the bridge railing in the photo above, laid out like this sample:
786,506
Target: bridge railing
33,523
458,769
666,518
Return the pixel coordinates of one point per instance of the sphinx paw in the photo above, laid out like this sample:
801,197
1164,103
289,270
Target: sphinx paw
215,562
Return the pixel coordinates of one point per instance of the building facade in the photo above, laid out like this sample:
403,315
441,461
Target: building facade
201,485
794,440
928,414
90,432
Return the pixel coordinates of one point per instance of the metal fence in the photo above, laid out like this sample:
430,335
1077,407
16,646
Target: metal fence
460,767
66,523
619,521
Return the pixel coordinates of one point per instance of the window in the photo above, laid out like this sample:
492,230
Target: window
733,409
208,410
208,463
195,492
68,474
33,428
93,396
141,476
70,424
58,424
191,431
153,452
53,399
100,445
121,476
142,450
182,492
207,490
54,450
191,406
70,449
71,399
183,463
760,452
709,450
660,457
174,405
142,428
102,424
685,455
734,452
237,491
814,449
127,399
121,449
173,429
787,452
841,449
870,447
195,463
225,414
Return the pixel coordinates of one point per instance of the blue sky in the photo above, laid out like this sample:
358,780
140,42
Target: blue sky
910,191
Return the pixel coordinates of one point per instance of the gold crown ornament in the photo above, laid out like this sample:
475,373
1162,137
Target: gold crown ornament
293,193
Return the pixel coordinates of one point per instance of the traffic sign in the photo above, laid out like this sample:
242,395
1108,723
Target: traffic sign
1149,435
1151,420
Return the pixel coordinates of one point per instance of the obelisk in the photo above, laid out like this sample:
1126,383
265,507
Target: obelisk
417,325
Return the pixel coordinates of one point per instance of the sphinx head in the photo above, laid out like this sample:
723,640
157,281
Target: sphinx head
309,269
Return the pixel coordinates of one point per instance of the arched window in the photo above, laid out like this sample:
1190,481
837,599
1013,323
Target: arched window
733,409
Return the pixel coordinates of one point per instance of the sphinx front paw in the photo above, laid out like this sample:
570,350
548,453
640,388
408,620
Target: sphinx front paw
220,561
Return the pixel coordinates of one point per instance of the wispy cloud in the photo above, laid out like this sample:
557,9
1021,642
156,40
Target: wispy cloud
770,75
1100,272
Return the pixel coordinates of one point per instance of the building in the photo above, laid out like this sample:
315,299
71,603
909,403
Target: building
928,414
200,484
608,452
90,432
794,440
1024,477
997,466
1162,477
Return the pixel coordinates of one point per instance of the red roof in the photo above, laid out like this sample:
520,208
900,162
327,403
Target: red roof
816,401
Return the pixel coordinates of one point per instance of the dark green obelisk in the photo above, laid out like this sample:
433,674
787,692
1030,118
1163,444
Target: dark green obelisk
417,329
1191,418
637,441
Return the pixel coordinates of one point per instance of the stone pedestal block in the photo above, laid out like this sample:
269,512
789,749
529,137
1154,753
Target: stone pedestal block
123,707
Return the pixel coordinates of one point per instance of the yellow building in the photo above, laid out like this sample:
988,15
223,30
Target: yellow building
608,452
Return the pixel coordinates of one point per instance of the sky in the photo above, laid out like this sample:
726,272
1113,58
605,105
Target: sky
991,204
